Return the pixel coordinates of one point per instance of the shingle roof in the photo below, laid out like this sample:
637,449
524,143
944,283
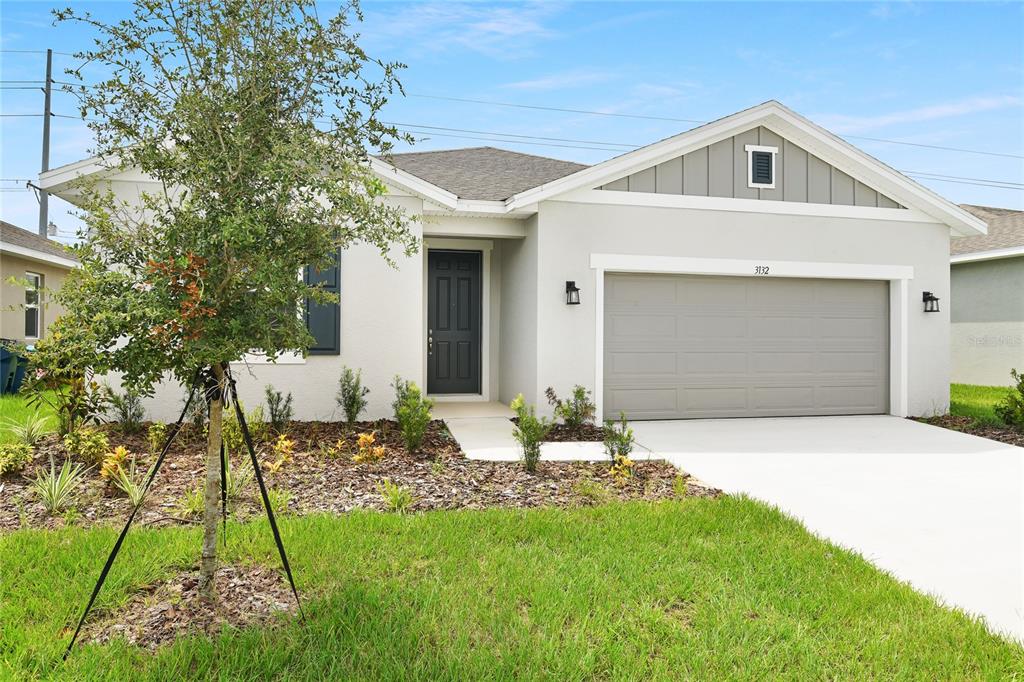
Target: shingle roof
12,234
1005,231
483,172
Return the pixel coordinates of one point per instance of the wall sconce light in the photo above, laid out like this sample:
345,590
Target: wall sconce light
572,293
931,302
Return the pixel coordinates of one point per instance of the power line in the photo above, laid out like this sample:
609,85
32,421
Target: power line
689,120
959,177
531,137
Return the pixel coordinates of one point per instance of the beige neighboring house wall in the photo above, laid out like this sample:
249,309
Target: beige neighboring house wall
23,253
987,300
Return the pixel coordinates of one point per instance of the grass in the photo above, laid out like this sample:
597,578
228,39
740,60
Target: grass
15,408
976,402
691,589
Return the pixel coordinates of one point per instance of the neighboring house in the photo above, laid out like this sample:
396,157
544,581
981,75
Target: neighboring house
987,299
754,266
25,312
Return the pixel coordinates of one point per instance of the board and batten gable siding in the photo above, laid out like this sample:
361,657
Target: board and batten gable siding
720,170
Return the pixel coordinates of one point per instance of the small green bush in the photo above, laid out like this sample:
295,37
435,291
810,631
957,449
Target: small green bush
413,417
14,457
280,408
231,430
127,410
192,503
87,445
529,432
279,501
131,482
593,491
56,489
618,439
1011,408
156,436
401,387
577,410
397,498
351,394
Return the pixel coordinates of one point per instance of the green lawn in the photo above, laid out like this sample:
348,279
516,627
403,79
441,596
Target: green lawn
14,408
977,402
697,589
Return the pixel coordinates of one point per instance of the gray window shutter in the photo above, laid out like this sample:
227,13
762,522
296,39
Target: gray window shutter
324,319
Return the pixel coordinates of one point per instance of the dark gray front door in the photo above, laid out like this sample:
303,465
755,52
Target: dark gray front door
453,321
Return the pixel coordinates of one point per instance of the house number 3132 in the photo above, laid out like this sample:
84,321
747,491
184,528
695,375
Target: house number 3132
761,269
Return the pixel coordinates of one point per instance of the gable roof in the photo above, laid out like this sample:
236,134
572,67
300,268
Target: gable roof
1005,236
786,123
16,241
484,173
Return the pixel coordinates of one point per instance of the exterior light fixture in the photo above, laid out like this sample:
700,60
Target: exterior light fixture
931,302
572,293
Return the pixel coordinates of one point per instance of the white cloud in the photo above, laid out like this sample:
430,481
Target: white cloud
962,107
501,32
560,81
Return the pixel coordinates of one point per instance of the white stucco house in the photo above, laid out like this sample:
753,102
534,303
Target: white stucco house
987,299
754,266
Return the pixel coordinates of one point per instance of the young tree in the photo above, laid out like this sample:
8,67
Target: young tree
254,119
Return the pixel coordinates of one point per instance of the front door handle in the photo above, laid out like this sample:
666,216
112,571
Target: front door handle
430,342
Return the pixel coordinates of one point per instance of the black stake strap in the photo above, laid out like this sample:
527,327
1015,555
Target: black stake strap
223,491
131,517
263,488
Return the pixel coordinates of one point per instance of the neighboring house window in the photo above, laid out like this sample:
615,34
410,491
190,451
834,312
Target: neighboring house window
761,166
33,318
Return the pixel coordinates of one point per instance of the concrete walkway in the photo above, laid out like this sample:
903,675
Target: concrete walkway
939,509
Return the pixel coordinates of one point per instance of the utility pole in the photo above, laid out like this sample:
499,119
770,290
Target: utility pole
44,196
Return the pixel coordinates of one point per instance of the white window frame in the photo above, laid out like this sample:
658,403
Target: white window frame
35,306
750,148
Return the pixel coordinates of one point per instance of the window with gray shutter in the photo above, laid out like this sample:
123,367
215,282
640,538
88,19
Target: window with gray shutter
324,319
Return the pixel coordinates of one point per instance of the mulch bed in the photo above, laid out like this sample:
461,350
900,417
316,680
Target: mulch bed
439,477
247,596
1003,434
560,433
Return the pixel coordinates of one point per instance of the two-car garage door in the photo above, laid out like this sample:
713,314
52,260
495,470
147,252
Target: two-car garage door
693,346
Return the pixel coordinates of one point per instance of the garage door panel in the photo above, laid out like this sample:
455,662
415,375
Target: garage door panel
736,346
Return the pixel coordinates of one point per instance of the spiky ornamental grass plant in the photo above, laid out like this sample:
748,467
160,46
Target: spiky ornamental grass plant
254,118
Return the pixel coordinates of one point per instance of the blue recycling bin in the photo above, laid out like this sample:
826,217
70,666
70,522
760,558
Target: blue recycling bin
8,362
19,372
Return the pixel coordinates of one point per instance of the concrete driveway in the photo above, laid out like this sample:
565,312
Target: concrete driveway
941,510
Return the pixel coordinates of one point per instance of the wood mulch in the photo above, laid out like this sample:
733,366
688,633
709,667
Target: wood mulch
319,480
1003,434
560,433
247,596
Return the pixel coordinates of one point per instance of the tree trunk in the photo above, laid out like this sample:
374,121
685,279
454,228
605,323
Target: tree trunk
211,493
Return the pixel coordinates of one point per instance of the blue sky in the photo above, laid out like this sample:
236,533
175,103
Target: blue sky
946,74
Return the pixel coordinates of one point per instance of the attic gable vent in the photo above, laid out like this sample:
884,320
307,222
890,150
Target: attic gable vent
761,166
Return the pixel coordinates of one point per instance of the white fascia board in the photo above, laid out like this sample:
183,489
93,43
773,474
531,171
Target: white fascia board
38,256
790,125
414,184
700,203
993,254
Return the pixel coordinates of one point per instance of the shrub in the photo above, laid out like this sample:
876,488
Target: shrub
401,387
529,432
192,503
679,485
284,451
231,430
130,483
280,408
577,410
88,445
397,498
1011,408
618,444
366,451
76,399
113,461
14,457
351,394
31,431
127,410
279,500
56,490
156,436
413,417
